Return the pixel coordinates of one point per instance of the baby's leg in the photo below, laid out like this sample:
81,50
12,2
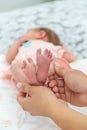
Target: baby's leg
17,72
29,69
43,63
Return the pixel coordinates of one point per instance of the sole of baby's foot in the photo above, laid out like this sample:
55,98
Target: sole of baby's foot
29,70
43,63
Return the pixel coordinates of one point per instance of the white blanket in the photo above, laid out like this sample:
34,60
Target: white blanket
13,117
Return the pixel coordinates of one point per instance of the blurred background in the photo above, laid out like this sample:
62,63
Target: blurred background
68,18
7,5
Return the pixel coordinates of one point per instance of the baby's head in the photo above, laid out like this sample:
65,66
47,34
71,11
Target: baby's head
45,34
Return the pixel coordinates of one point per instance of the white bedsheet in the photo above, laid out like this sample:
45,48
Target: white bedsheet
13,117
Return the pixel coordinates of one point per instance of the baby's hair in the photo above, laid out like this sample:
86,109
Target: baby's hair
52,36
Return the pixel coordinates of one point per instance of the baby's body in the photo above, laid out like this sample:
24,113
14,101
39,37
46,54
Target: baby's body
43,34
30,51
30,48
31,65
35,62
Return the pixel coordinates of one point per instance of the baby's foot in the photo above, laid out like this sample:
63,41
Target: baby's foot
30,71
43,63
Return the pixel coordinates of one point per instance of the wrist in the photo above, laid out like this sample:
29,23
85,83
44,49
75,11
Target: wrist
57,111
53,107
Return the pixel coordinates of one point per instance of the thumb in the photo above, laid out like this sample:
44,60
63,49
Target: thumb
20,98
25,88
60,71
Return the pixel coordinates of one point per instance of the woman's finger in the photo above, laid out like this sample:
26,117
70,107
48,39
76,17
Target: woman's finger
21,98
24,88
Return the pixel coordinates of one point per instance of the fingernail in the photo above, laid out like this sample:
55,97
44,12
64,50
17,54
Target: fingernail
57,64
19,85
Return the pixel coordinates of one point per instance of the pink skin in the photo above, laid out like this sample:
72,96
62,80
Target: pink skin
37,77
29,69
43,63
17,73
56,85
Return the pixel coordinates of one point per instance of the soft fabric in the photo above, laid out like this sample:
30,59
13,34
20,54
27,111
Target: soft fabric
30,48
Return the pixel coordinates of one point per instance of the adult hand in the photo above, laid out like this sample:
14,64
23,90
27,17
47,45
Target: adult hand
75,85
40,100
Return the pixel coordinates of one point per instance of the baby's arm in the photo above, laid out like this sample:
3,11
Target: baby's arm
13,50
